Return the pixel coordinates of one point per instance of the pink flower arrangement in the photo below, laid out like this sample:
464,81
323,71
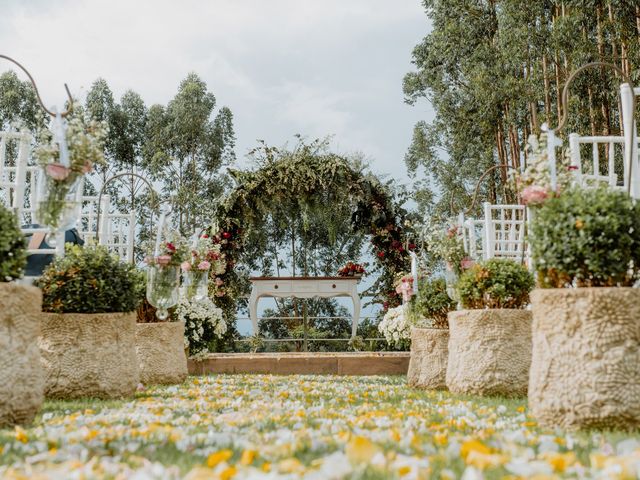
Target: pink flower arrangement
405,288
534,195
185,266
204,265
57,171
163,259
466,263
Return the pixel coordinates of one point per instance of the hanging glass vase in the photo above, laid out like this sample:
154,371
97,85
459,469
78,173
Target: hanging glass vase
451,279
195,284
57,200
163,283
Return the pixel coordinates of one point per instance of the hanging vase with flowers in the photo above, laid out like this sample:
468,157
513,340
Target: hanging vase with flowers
67,152
163,274
205,259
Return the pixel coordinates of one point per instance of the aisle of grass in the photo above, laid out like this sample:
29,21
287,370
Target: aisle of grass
319,427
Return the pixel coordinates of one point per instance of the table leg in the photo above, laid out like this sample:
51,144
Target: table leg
253,311
356,314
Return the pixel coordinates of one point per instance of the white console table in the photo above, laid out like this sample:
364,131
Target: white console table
304,287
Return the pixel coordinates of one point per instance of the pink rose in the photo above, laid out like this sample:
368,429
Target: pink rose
185,266
219,281
204,265
466,263
534,195
57,171
163,260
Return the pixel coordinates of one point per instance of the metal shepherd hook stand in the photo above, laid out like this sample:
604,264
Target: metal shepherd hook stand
35,87
154,197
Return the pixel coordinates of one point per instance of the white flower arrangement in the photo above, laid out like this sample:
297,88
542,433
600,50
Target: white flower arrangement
395,326
203,322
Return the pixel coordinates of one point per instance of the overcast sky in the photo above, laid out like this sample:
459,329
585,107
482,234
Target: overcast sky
314,67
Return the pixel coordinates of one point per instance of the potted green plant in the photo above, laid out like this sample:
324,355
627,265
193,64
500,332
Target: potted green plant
87,339
21,394
490,341
430,337
585,370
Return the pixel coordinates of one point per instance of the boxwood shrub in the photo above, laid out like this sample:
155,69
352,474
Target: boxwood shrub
90,280
432,303
13,253
586,238
496,283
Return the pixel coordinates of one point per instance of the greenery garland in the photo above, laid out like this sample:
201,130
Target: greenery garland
311,181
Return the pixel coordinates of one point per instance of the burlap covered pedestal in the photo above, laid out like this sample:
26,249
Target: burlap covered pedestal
428,362
585,370
21,375
161,352
489,352
89,355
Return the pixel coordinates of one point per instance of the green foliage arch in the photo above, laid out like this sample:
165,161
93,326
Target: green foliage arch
313,183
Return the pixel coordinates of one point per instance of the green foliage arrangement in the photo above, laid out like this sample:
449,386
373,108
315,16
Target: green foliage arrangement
587,238
90,280
314,200
496,283
432,303
13,255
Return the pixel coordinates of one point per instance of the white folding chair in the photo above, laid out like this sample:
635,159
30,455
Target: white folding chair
504,232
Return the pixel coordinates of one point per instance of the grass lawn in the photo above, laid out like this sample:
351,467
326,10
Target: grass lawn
316,427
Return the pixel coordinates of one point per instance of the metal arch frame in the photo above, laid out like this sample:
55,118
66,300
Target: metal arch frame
154,196
35,87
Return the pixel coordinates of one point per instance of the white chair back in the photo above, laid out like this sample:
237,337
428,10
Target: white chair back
504,232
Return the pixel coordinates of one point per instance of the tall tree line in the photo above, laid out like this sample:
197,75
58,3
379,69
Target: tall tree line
180,147
493,70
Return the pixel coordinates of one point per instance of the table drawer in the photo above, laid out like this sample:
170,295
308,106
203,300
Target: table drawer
280,286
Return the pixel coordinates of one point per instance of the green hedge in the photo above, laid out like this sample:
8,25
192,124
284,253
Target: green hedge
90,280
13,253
496,283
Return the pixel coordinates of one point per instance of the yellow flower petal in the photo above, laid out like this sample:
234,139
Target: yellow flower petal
361,450
248,456
218,457
473,446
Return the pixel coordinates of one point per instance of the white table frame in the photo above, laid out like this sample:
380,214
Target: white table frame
304,287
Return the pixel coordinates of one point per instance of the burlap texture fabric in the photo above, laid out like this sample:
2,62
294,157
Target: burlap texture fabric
89,355
161,352
21,374
428,362
585,370
489,352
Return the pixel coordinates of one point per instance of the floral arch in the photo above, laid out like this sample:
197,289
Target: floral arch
310,181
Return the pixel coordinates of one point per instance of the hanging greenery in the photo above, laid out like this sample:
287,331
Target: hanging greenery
312,187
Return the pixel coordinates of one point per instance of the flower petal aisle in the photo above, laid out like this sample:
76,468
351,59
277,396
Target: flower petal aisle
260,426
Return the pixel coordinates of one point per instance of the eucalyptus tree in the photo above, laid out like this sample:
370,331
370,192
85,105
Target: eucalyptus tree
492,70
18,104
185,149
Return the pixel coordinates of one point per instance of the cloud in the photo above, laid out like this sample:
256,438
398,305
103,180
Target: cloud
315,67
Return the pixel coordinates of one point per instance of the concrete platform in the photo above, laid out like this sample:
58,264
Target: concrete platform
342,363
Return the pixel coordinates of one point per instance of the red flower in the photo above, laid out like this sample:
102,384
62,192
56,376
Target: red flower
171,247
385,306
226,235
204,235
380,254
412,246
572,167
